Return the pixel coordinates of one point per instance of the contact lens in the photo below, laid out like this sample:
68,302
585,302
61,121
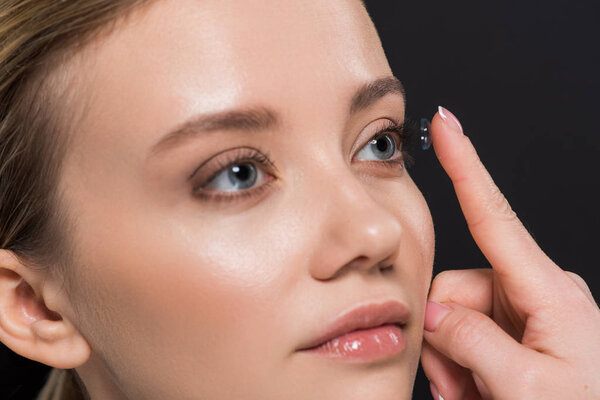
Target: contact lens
425,136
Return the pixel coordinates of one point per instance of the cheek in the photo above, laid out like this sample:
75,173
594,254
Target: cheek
426,236
418,239
422,225
417,249
208,291
204,294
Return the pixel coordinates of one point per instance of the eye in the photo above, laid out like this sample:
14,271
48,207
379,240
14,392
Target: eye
236,177
381,148
384,144
239,173
244,173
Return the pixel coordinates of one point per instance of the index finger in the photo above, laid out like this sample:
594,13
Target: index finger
497,230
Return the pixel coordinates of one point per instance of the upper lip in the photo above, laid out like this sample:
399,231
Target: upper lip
361,317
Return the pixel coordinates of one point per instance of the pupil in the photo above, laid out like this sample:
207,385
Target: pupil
243,173
385,146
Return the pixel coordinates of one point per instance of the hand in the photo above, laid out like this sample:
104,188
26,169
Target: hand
524,329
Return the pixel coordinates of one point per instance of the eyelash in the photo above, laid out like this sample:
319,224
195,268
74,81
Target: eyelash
402,133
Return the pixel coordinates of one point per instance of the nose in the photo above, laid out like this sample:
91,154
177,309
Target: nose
354,230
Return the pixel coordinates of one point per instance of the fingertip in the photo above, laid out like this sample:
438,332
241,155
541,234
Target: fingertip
450,120
445,122
446,141
434,392
434,313
437,123
449,376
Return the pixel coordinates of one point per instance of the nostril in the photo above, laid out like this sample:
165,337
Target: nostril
386,267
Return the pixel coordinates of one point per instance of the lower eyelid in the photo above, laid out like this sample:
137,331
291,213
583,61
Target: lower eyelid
394,163
219,196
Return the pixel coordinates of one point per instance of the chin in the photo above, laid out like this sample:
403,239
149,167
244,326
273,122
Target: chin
391,379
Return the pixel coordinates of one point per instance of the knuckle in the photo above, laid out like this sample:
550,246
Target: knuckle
582,297
578,279
496,207
500,206
441,282
461,286
469,329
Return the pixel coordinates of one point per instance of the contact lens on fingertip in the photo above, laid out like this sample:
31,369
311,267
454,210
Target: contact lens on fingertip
425,136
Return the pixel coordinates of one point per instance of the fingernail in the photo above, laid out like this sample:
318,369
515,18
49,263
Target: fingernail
450,119
434,392
434,313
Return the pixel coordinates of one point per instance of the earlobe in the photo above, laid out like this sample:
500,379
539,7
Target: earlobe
28,327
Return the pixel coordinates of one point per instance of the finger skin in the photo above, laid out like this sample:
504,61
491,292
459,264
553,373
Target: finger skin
482,389
471,288
474,289
474,341
450,378
557,356
582,285
506,369
500,235
531,284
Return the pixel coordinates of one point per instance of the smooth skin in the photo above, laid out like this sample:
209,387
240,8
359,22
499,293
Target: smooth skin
180,297
525,329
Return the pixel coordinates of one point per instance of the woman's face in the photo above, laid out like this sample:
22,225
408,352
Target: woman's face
204,287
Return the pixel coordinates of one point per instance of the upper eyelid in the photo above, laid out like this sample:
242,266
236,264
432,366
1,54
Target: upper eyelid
249,157
389,124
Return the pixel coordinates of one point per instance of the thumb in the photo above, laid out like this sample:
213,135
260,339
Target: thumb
474,341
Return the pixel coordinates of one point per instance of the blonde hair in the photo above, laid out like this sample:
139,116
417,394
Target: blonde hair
36,36
62,384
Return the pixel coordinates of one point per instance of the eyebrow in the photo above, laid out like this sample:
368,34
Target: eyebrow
262,118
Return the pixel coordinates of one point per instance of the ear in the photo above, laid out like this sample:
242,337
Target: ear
27,326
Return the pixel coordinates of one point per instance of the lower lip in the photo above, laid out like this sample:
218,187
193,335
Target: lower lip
364,345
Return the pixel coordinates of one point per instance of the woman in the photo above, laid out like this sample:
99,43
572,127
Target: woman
197,194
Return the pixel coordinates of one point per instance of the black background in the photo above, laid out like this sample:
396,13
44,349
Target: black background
522,77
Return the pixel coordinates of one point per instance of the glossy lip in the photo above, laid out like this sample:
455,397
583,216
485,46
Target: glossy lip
362,317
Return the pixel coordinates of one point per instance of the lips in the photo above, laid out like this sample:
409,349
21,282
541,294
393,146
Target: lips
362,317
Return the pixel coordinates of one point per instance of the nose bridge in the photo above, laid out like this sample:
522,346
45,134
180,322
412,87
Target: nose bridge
352,230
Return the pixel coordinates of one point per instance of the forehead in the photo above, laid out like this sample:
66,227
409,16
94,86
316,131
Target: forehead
173,59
